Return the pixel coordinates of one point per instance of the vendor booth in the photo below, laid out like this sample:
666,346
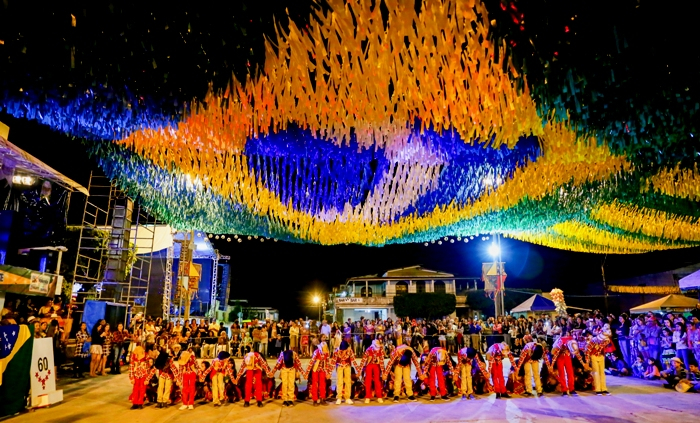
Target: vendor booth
669,303
537,304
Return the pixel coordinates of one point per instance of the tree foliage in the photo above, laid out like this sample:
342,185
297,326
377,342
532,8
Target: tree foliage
426,305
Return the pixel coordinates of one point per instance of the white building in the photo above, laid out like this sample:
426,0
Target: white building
372,296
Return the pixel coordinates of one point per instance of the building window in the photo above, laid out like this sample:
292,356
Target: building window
420,286
439,286
401,288
366,292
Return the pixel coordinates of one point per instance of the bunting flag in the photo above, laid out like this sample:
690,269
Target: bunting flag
377,123
16,344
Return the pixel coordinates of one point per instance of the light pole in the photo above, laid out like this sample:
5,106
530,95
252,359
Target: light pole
317,300
495,252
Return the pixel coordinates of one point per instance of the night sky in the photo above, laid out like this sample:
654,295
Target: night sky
284,275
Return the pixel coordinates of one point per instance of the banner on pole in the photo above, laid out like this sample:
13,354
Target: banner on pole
494,276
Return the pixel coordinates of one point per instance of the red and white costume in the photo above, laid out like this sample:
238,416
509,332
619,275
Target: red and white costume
495,355
219,369
140,372
344,361
402,369
464,370
373,366
186,378
288,371
595,357
563,349
433,369
320,365
532,367
253,366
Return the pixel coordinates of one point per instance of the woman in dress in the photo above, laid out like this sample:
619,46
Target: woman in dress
80,354
106,350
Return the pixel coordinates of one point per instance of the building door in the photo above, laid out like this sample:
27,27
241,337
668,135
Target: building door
420,286
366,292
439,286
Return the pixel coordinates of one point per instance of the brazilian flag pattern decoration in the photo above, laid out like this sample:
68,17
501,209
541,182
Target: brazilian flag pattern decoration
16,343
380,122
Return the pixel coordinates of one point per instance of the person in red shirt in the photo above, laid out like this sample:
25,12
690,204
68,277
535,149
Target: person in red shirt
595,358
372,365
186,375
530,358
219,369
320,370
433,369
400,362
563,349
289,365
253,366
495,355
344,361
140,372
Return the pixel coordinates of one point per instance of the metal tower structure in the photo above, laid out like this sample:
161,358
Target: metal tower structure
107,265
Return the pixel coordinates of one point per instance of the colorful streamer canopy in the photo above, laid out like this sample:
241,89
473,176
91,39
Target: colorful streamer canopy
380,123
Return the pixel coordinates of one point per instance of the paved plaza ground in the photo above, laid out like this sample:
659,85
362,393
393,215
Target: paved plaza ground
105,399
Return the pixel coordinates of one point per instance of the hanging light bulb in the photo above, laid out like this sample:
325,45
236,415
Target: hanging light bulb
216,237
445,238
426,244
432,242
262,239
459,238
228,239
249,238
439,242
452,241
210,235
240,240
235,236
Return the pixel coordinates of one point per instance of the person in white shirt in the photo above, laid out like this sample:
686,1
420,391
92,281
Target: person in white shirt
326,330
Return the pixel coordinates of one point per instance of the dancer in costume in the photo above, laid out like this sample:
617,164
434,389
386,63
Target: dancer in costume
400,363
563,349
433,367
495,355
373,367
530,358
289,365
344,361
253,366
320,369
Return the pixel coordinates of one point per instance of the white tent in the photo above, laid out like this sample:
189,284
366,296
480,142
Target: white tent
692,281
668,303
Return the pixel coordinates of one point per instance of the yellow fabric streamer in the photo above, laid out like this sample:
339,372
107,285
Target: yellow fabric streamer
649,222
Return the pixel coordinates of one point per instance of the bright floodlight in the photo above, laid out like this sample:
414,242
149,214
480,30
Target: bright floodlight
316,299
494,250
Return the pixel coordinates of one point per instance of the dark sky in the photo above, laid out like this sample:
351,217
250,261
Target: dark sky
284,275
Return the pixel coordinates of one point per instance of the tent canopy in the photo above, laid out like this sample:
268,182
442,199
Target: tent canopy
25,162
672,302
691,281
535,303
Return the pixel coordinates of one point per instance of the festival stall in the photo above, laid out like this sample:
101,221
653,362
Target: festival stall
669,303
537,304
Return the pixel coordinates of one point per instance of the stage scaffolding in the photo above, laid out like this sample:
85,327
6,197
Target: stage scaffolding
107,265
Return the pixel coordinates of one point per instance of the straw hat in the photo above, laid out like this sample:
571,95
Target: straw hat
184,358
139,352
